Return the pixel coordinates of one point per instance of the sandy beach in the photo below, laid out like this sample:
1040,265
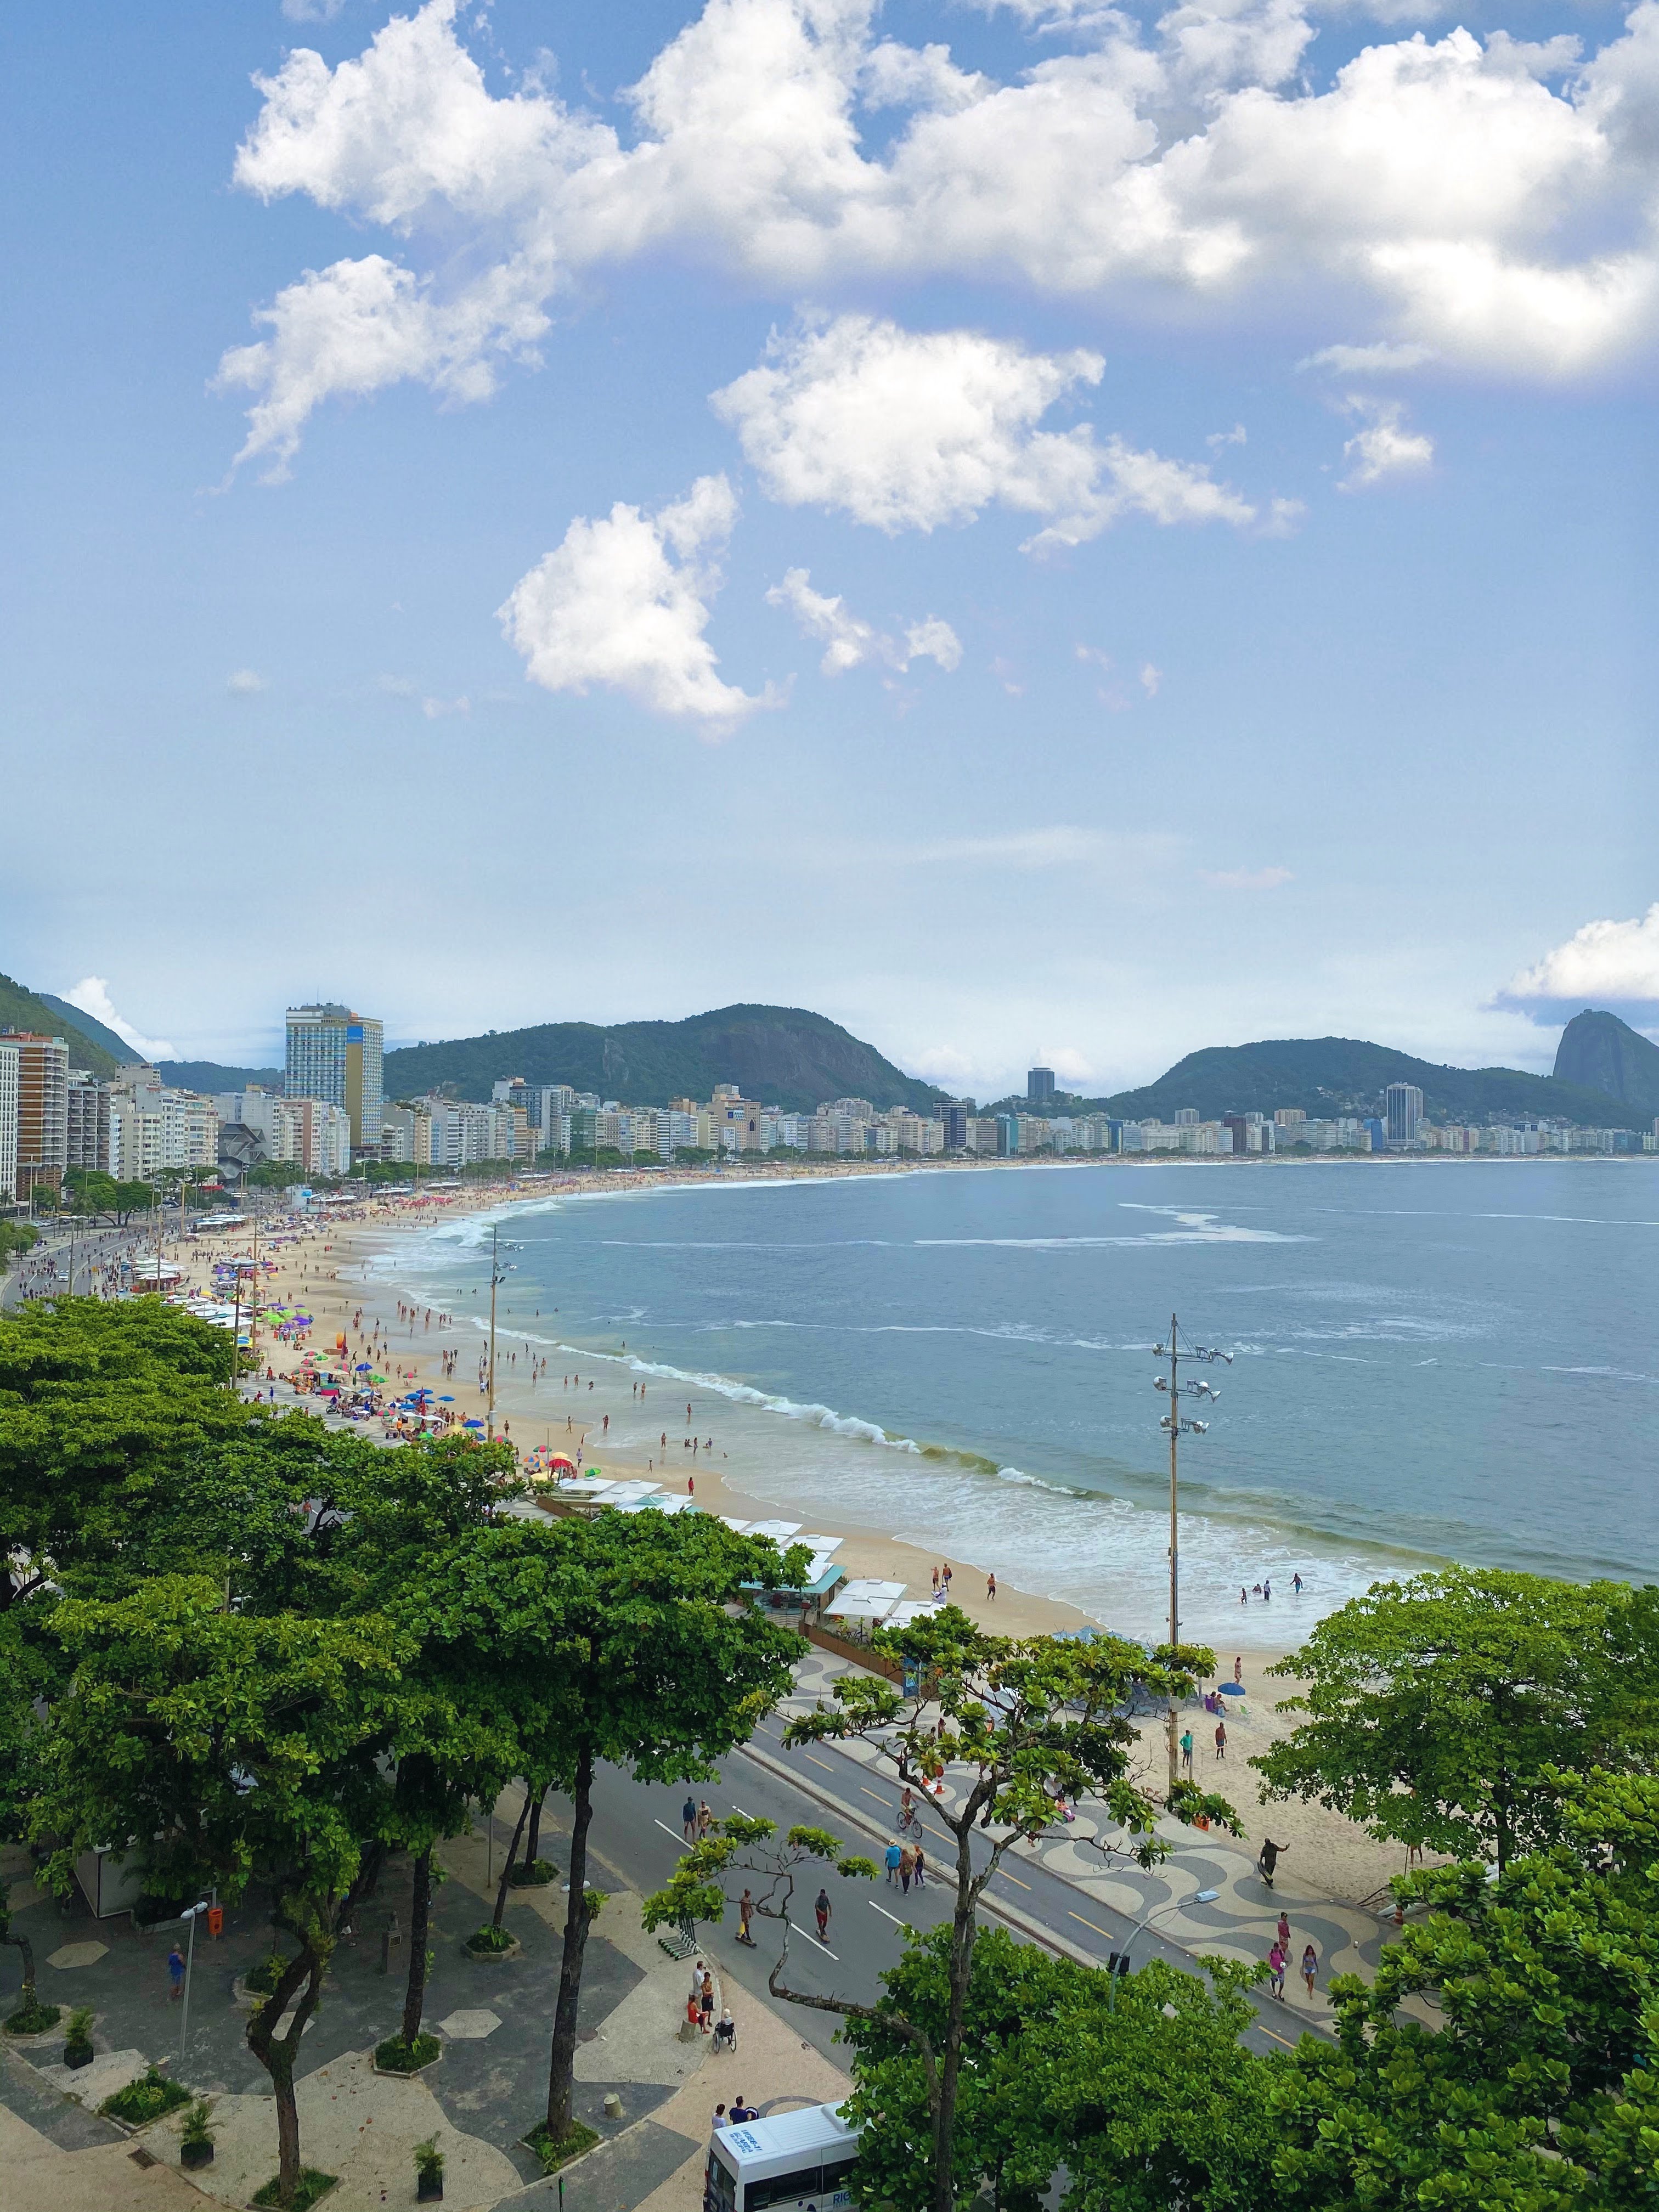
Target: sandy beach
324,1268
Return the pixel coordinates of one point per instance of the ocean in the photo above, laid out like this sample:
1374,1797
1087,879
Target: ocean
1431,1361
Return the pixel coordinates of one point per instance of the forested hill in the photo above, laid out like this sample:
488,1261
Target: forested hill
22,1009
778,1055
1345,1075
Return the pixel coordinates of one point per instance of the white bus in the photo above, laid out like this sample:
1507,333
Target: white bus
794,2162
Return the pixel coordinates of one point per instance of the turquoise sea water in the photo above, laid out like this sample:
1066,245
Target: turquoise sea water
1433,1360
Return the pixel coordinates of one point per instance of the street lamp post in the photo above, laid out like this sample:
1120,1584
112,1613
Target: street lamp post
1118,1964
193,1913
1176,1424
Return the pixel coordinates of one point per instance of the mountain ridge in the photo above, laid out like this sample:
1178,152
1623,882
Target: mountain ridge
783,1056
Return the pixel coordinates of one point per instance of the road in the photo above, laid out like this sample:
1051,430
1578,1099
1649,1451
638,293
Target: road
636,1830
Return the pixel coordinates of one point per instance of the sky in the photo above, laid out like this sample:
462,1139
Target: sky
1041,530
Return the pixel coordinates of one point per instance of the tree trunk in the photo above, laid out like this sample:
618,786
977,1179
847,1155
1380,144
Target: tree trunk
532,1842
964,1929
561,2070
288,2123
303,1977
506,1868
419,1914
17,1935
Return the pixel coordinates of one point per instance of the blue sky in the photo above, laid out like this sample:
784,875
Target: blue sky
1038,531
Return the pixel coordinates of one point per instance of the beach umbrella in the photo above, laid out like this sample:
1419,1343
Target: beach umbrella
445,1401
471,1424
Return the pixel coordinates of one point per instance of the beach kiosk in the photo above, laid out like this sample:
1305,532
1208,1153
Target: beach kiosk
791,2163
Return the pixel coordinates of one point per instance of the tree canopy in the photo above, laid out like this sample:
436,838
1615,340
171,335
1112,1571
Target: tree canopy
1436,1705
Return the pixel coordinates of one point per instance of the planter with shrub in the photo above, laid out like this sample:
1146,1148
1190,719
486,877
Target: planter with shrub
77,2044
535,1874
394,2055
555,2151
196,2144
314,2185
491,1944
429,2172
32,2017
150,2098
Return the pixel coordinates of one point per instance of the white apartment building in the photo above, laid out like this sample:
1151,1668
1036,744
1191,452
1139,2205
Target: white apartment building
10,1057
150,1129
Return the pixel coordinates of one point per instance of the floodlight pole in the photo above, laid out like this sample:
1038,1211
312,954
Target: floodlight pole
1174,1423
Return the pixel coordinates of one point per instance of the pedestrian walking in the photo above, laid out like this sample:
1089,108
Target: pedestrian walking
891,1860
689,1819
705,1820
1309,1967
935,1581
719,2118
991,1588
1296,1584
176,1973
906,1868
921,1868
1276,1969
1238,1671
821,1906
1221,1739
1186,1749
1285,1933
745,1912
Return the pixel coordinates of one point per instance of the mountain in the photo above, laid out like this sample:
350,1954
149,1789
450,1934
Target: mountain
780,1055
117,1047
1331,1075
207,1075
21,1009
1600,1051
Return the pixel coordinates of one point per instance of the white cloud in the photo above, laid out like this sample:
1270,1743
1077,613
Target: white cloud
1384,447
242,683
91,995
435,709
1063,846
1073,1070
1500,220
1603,960
1244,879
312,11
1151,678
624,602
850,641
906,429
1379,360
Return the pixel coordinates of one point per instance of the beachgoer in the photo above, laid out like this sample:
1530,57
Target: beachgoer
745,1912
1243,1594
1267,1859
1221,1739
705,1820
821,1906
1267,1591
1310,1966
991,1588
945,1576
1238,1670
707,2003
1186,1749
1296,1584
1276,1974
935,1581
1285,1933
890,1860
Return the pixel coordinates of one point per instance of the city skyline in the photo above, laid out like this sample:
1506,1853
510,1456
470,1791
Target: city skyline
1078,611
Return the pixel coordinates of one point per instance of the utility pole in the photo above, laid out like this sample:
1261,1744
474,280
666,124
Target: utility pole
1176,1422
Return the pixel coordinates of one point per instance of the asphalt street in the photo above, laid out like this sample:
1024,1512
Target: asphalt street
637,1831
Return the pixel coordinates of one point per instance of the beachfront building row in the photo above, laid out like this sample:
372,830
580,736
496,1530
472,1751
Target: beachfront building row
312,1135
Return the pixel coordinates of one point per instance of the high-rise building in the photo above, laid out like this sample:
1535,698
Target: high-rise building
954,1117
1039,1088
43,1066
9,1059
86,1099
334,1054
1185,1117
1402,1112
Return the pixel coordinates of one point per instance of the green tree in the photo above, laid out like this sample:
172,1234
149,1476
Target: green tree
1032,1720
224,1748
614,1640
1436,1705
1537,2089
99,1405
1140,2094
748,1853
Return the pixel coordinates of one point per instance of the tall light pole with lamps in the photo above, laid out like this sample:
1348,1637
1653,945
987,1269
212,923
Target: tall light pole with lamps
1176,1424
1119,1963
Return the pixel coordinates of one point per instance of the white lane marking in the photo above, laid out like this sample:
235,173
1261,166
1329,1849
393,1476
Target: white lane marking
679,1837
816,1945
885,1914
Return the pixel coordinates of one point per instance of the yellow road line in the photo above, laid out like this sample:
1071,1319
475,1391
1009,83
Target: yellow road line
823,1763
1098,1929
1015,1879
